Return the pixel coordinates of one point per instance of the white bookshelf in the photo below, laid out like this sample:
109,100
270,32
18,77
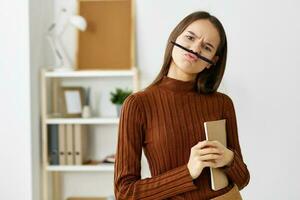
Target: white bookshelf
90,73
48,77
82,168
99,120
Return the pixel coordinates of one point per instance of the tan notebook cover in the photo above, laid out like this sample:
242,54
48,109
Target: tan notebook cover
70,145
80,141
62,144
216,130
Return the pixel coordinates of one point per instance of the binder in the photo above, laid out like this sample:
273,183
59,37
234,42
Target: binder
53,144
88,198
62,144
70,145
216,130
80,144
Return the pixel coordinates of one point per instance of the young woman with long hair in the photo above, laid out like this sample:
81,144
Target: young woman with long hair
166,121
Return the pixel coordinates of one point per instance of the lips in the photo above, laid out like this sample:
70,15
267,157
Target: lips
191,56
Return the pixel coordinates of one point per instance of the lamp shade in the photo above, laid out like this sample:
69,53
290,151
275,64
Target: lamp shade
79,22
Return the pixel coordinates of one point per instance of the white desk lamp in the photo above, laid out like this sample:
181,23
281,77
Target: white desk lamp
55,41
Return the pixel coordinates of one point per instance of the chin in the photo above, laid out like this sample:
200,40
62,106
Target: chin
188,68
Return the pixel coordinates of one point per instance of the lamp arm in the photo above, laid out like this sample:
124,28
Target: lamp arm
55,49
64,28
63,52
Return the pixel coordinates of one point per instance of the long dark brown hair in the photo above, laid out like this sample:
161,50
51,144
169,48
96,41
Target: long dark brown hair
208,80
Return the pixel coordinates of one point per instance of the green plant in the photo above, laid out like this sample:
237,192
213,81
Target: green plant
119,95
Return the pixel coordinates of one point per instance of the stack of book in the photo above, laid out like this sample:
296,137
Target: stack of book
67,144
92,198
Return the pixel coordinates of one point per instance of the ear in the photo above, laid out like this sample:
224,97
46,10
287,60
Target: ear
215,60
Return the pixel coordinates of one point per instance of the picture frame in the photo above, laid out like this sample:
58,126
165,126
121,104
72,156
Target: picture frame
73,98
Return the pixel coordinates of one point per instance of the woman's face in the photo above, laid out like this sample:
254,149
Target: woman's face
202,37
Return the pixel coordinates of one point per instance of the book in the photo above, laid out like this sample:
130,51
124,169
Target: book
87,198
216,130
70,144
80,144
62,144
53,144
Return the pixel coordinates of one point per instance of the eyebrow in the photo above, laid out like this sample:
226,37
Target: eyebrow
198,38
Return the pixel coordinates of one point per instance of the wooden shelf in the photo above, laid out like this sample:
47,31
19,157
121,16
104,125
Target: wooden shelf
107,167
101,120
90,73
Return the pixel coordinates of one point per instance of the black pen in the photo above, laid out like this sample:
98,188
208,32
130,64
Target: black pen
190,51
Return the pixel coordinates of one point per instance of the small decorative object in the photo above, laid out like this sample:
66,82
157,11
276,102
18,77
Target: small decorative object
118,98
86,112
54,38
109,159
73,101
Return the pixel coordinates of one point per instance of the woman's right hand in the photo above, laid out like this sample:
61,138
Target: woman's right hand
202,155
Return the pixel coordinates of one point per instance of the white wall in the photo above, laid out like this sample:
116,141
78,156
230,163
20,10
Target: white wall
40,15
15,118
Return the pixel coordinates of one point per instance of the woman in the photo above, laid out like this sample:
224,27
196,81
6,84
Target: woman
166,120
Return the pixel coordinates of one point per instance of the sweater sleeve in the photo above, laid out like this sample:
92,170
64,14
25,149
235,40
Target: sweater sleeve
127,175
237,170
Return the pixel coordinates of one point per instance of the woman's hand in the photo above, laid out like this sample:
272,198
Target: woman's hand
208,154
223,156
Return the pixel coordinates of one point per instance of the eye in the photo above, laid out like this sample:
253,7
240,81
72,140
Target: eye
207,48
189,37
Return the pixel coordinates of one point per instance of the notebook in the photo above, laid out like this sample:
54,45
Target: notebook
216,130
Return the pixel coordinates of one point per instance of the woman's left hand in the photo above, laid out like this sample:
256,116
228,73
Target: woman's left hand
225,155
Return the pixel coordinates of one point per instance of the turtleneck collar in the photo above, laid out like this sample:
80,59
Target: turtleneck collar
177,85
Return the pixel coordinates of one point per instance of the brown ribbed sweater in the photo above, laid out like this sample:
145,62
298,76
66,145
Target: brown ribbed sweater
166,121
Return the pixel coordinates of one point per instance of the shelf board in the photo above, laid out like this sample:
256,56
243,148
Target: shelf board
90,73
78,168
100,120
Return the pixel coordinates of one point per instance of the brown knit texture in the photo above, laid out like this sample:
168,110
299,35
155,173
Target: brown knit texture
166,121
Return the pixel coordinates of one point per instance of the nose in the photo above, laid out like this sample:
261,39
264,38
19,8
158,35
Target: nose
196,47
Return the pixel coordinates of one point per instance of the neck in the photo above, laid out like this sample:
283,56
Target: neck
176,85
